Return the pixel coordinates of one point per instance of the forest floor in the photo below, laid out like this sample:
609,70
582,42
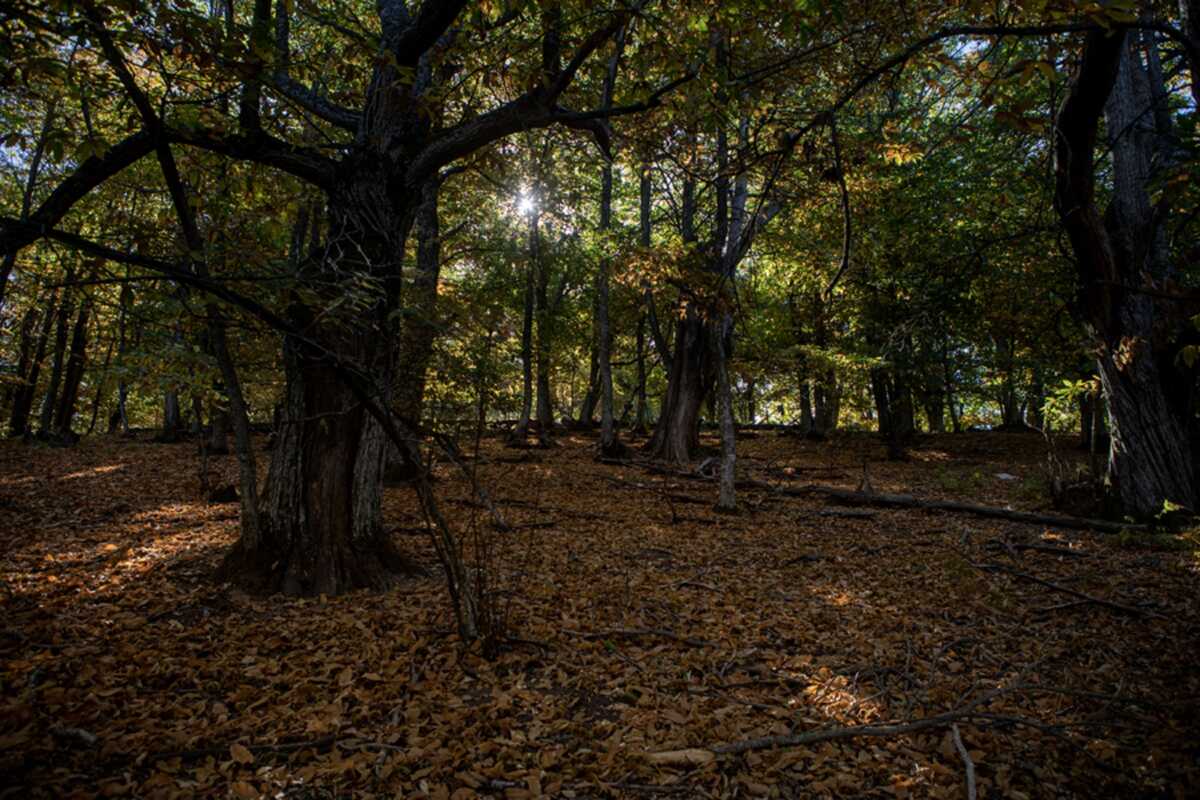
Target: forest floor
642,622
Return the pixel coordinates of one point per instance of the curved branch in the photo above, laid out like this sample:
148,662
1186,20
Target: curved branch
94,171
315,103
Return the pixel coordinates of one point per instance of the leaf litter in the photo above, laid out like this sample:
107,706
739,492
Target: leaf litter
657,648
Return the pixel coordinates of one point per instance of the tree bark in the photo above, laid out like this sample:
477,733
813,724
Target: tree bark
1150,457
544,403
65,309
419,329
677,434
727,494
319,525
120,417
18,421
73,375
172,418
520,434
26,342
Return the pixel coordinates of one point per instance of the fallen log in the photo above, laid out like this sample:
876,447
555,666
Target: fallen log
882,500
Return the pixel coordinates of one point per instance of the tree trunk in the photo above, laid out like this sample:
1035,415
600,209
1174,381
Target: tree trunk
641,412
419,329
677,435
197,425
218,434
1190,13
520,434
73,375
18,421
27,341
120,418
727,496
587,410
321,529
46,420
1150,457
544,405
807,417
319,526
101,385
172,419
610,445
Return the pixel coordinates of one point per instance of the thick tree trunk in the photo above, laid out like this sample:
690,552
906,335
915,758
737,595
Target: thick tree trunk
319,526
677,434
1150,457
807,417
827,406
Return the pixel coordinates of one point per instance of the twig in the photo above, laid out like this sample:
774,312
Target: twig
964,712
1065,590
966,757
632,633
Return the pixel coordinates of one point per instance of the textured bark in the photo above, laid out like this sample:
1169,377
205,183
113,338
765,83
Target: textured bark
1150,457
319,525
677,434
